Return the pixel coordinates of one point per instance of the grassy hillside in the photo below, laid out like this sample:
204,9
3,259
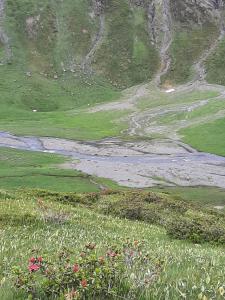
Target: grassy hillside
204,196
126,56
183,262
49,37
214,65
187,46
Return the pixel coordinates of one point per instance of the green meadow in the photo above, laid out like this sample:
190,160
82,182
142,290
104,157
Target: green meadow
190,270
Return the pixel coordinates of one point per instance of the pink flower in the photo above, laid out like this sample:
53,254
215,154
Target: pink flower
40,259
111,253
84,283
33,267
76,268
32,260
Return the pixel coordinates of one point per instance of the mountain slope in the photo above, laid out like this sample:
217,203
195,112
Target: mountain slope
58,57
120,41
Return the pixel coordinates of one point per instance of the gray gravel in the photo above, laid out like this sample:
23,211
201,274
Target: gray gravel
138,164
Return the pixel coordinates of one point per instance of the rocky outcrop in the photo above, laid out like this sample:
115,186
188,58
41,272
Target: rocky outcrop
196,11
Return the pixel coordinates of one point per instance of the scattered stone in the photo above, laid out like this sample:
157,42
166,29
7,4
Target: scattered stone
170,91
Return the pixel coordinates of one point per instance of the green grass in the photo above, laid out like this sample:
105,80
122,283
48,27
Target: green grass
71,125
126,56
186,48
24,169
214,65
40,53
208,137
158,99
206,111
205,196
189,269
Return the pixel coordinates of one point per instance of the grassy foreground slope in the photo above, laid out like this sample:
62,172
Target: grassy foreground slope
190,270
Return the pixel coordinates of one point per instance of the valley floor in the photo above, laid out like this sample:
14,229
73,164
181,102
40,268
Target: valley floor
132,164
149,125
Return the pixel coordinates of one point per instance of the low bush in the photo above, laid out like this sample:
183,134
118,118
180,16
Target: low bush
181,219
196,231
117,272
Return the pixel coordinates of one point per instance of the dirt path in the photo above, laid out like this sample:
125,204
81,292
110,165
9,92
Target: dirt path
4,39
150,121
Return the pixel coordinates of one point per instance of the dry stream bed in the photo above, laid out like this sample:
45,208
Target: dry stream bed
134,164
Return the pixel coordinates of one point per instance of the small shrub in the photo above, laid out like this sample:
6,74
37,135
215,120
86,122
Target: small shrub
89,276
196,231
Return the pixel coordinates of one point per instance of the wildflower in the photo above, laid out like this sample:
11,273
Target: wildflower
76,268
40,259
111,253
84,283
32,260
33,267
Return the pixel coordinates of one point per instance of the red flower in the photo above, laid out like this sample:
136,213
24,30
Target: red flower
113,254
84,283
33,267
32,260
76,268
40,259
